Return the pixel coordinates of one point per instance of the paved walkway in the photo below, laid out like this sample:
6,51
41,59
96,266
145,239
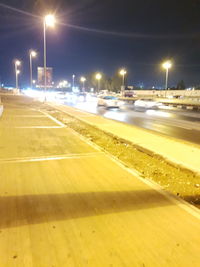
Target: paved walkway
182,153
65,203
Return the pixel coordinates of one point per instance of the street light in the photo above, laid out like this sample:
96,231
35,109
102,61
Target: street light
49,21
167,65
17,78
98,77
32,55
123,72
83,79
17,72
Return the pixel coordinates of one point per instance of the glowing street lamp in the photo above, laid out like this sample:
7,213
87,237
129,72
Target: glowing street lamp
32,55
17,72
17,63
98,78
49,21
123,72
167,65
83,80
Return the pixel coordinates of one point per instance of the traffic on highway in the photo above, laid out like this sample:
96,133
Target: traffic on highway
145,113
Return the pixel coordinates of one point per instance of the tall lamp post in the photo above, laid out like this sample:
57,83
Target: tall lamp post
83,80
123,72
98,78
49,21
32,55
167,65
17,72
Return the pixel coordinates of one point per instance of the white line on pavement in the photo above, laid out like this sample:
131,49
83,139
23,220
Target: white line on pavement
48,158
30,116
39,127
53,119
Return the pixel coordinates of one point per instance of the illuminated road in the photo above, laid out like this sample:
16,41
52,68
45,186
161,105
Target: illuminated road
173,122
65,203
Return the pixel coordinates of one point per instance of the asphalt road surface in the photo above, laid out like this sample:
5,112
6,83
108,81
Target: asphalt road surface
65,203
174,122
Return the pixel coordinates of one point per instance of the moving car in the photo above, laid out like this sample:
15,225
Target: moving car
129,93
108,102
146,103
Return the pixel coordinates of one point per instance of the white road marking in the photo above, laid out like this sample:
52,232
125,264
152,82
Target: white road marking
53,119
39,127
49,158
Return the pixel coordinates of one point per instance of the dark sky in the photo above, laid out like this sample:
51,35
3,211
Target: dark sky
144,33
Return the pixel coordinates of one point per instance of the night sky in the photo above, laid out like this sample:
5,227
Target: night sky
137,35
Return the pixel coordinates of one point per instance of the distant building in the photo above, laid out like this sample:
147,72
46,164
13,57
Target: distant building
40,76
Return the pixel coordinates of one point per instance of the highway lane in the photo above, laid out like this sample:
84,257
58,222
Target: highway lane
65,203
174,122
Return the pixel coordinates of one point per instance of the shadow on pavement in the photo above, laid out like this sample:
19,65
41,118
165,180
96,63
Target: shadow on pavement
34,209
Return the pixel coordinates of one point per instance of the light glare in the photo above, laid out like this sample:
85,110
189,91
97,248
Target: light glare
98,76
33,53
17,63
122,72
167,65
50,20
83,79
